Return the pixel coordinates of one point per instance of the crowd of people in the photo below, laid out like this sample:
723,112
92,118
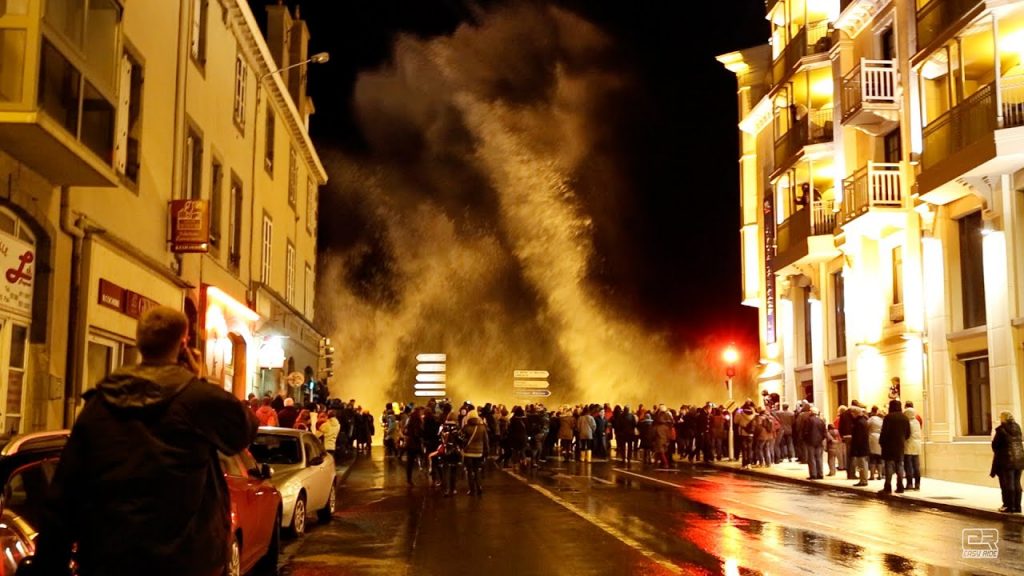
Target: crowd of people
867,444
345,428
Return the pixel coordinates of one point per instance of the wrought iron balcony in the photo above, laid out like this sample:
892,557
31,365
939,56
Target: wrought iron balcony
813,128
814,38
798,238
935,17
973,120
870,96
875,186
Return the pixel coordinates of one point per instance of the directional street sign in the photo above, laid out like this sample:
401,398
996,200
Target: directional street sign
431,375
530,384
528,392
530,374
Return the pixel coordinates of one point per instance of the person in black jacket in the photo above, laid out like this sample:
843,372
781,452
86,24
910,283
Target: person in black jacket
895,432
139,487
1007,461
860,448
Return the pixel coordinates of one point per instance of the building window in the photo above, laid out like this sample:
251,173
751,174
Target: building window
268,144
235,234
127,157
842,391
200,10
266,253
293,178
979,400
893,150
216,201
289,273
309,294
972,271
310,206
839,310
74,102
808,333
807,387
241,74
193,166
897,275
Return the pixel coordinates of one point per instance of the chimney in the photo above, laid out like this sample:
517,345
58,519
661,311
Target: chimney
299,52
279,25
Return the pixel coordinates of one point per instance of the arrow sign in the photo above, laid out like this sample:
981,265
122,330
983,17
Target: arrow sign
530,374
431,357
419,386
431,367
530,384
521,392
431,377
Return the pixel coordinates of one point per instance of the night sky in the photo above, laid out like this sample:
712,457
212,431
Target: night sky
658,185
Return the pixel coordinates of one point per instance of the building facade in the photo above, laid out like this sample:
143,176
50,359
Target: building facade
133,139
881,180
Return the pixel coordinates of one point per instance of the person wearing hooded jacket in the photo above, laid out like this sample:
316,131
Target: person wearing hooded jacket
475,433
1008,461
912,450
139,488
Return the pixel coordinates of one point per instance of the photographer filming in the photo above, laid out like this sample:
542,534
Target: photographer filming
139,488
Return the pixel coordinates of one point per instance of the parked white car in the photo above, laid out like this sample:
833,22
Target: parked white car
303,471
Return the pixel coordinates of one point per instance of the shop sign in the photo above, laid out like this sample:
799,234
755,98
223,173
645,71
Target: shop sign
124,301
17,259
111,295
190,226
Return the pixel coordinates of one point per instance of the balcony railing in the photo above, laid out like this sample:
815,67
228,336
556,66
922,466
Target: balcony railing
877,185
871,82
813,128
812,39
823,217
937,16
972,120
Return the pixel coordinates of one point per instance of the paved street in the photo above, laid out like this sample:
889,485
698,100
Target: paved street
602,519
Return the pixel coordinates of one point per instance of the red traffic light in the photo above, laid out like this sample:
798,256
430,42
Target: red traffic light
730,355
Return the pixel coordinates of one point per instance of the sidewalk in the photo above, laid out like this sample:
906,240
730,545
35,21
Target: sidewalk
971,499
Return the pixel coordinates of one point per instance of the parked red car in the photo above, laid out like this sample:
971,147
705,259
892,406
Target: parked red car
255,515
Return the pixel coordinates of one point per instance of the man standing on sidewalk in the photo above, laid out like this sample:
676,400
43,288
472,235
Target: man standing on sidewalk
812,434
785,440
846,431
895,432
859,447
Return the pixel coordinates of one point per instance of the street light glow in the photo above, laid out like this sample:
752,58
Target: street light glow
730,355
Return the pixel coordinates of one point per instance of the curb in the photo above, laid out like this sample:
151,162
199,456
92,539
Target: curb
910,502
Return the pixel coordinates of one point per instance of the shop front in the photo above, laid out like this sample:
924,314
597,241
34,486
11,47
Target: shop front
229,345
17,256
289,349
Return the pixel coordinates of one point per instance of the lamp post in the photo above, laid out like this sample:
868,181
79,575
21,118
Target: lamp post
730,355
318,58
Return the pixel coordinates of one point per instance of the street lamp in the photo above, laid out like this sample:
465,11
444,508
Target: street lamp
730,355
318,58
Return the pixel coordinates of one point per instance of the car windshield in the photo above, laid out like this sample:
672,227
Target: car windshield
274,449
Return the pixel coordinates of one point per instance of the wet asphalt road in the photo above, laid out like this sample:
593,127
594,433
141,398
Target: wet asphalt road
603,519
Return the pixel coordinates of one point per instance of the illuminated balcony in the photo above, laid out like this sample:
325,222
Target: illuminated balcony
812,40
938,16
875,197
975,138
57,88
870,97
806,237
814,128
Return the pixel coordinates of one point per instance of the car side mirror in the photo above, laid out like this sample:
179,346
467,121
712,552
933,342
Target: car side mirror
266,471
315,461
